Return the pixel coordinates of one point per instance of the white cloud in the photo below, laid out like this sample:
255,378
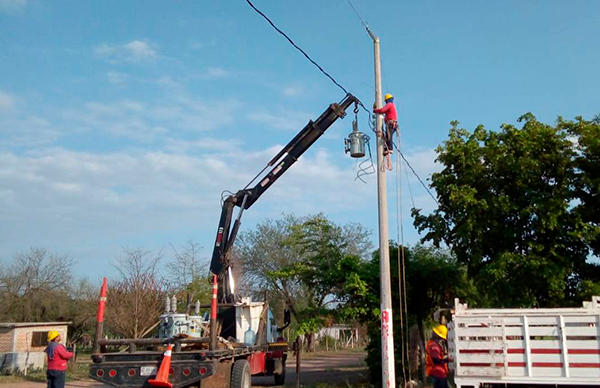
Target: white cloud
140,50
61,195
136,51
133,197
285,119
423,161
27,131
207,144
211,73
150,122
292,91
217,72
116,78
12,5
7,102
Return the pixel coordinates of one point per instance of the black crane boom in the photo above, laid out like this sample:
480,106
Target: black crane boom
247,197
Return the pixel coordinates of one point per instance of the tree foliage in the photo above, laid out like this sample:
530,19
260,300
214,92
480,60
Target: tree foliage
506,209
189,275
35,287
300,261
434,278
136,300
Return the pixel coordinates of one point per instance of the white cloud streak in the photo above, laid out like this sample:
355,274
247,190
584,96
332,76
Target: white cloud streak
285,120
116,78
12,5
7,102
149,122
61,195
136,51
292,91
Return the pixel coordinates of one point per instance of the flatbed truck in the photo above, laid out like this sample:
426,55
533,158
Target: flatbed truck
240,339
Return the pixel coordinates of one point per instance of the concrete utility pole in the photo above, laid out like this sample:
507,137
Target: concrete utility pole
387,329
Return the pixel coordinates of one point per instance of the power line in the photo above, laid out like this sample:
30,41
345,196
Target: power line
417,175
357,14
304,53
298,48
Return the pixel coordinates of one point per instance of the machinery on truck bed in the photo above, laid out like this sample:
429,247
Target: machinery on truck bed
557,347
239,338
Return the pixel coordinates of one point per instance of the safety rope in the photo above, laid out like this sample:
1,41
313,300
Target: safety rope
402,291
400,239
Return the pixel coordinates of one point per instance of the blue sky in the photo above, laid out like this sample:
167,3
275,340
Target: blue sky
122,122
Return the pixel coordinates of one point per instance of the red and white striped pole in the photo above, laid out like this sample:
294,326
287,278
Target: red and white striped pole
213,315
100,317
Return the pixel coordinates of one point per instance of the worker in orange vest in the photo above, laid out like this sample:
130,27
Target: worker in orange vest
436,361
391,122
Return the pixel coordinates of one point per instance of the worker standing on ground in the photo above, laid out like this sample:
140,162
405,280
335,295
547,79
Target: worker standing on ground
58,356
436,362
391,122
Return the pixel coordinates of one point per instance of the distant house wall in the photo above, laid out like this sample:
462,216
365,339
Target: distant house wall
24,337
335,331
22,344
6,340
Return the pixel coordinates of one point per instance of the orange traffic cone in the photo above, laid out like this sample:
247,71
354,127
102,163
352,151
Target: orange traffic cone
162,377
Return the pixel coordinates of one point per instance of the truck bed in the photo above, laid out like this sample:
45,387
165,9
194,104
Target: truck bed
526,346
133,369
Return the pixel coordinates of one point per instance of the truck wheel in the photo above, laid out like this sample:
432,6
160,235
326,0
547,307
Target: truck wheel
240,375
280,378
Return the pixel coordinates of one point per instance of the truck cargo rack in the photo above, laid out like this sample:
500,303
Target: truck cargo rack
546,346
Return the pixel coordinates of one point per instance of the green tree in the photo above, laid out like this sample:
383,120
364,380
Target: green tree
506,210
434,278
36,286
189,276
298,260
585,136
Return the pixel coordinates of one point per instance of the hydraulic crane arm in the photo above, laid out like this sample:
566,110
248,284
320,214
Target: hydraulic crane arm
248,196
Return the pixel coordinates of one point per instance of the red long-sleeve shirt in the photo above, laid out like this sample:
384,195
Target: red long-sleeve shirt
58,356
389,110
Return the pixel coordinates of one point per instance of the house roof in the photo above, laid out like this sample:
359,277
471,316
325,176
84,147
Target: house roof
12,325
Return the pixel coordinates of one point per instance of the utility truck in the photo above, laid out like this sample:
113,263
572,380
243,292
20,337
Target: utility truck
550,347
239,338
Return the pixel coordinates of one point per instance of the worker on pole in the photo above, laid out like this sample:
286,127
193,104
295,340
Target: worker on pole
391,122
436,361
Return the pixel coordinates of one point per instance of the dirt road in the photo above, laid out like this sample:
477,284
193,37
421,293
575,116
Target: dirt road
339,368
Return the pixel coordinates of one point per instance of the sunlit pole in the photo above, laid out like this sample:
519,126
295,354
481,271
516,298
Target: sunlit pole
387,329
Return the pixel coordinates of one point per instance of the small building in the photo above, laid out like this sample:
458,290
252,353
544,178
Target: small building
347,335
22,344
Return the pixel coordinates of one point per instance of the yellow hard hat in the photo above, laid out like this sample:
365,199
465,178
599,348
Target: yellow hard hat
388,96
52,334
441,331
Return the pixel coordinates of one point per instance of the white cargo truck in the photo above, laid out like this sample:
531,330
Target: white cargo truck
525,347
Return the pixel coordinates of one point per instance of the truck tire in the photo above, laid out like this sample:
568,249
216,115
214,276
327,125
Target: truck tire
240,374
280,378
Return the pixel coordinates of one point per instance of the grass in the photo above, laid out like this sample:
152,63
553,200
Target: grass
10,379
32,375
79,371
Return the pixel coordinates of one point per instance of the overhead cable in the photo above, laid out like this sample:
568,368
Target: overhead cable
357,14
296,46
417,175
